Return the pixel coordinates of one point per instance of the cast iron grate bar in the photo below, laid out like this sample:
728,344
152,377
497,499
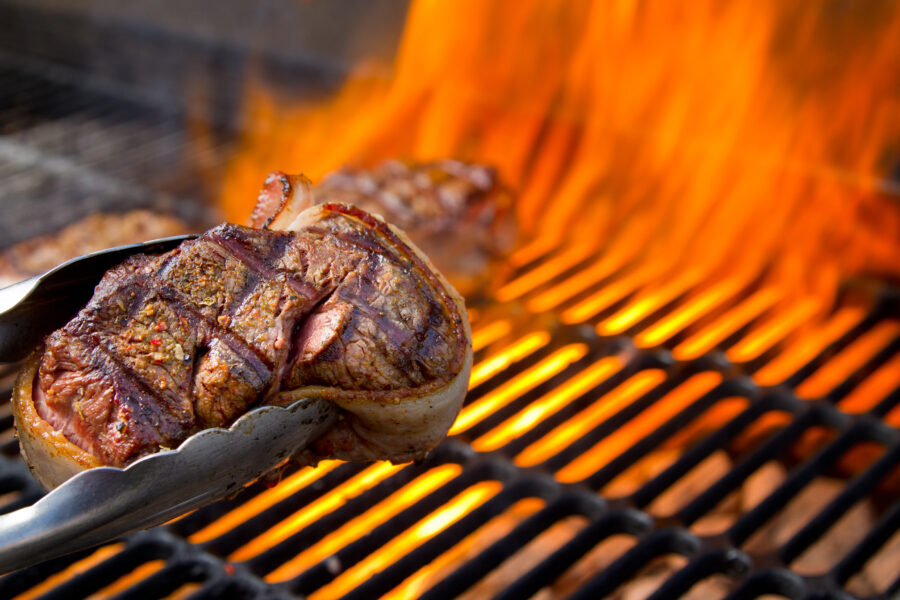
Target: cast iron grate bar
499,415
606,521
567,504
609,426
656,544
621,521
77,150
517,489
739,473
117,141
717,441
522,441
652,441
138,551
855,491
724,562
353,553
879,359
871,543
237,536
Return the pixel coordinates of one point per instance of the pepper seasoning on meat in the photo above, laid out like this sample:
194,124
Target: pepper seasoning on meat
340,307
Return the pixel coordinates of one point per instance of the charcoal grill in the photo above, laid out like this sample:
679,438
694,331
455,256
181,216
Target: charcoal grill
720,443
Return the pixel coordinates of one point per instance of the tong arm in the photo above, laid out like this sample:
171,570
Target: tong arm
105,503
31,309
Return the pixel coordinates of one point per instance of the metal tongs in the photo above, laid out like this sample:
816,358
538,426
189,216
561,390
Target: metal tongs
31,309
104,503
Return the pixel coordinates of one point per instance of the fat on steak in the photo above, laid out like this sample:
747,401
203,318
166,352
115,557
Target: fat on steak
458,213
341,307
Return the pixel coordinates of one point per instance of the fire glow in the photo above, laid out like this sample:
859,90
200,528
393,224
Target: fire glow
728,157
745,140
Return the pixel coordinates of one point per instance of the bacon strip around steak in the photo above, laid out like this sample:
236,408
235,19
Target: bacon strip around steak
459,214
342,307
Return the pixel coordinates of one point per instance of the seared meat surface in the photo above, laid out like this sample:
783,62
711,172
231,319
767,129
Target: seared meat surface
340,308
458,214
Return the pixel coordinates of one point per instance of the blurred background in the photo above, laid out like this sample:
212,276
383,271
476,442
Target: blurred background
104,104
687,367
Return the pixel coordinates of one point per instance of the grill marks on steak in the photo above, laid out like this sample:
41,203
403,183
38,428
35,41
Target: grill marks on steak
459,214
173,344
370,332
101,381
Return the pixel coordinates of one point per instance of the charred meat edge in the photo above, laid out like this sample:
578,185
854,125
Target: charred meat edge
53,458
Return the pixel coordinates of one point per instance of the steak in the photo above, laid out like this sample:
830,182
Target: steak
342,307
459,214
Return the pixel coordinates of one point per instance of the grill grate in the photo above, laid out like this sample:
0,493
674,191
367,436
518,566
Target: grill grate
77,151
705,439
367,530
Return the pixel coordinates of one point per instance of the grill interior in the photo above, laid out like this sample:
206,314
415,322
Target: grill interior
722,440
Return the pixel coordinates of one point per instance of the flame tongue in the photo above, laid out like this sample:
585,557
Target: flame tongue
746,137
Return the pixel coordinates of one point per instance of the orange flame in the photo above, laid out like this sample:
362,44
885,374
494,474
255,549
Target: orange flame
746,137
733,155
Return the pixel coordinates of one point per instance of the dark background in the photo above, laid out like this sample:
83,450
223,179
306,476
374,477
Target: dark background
100,101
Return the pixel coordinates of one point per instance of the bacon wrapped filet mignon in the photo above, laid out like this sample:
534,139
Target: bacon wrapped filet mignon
457,213
341,307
